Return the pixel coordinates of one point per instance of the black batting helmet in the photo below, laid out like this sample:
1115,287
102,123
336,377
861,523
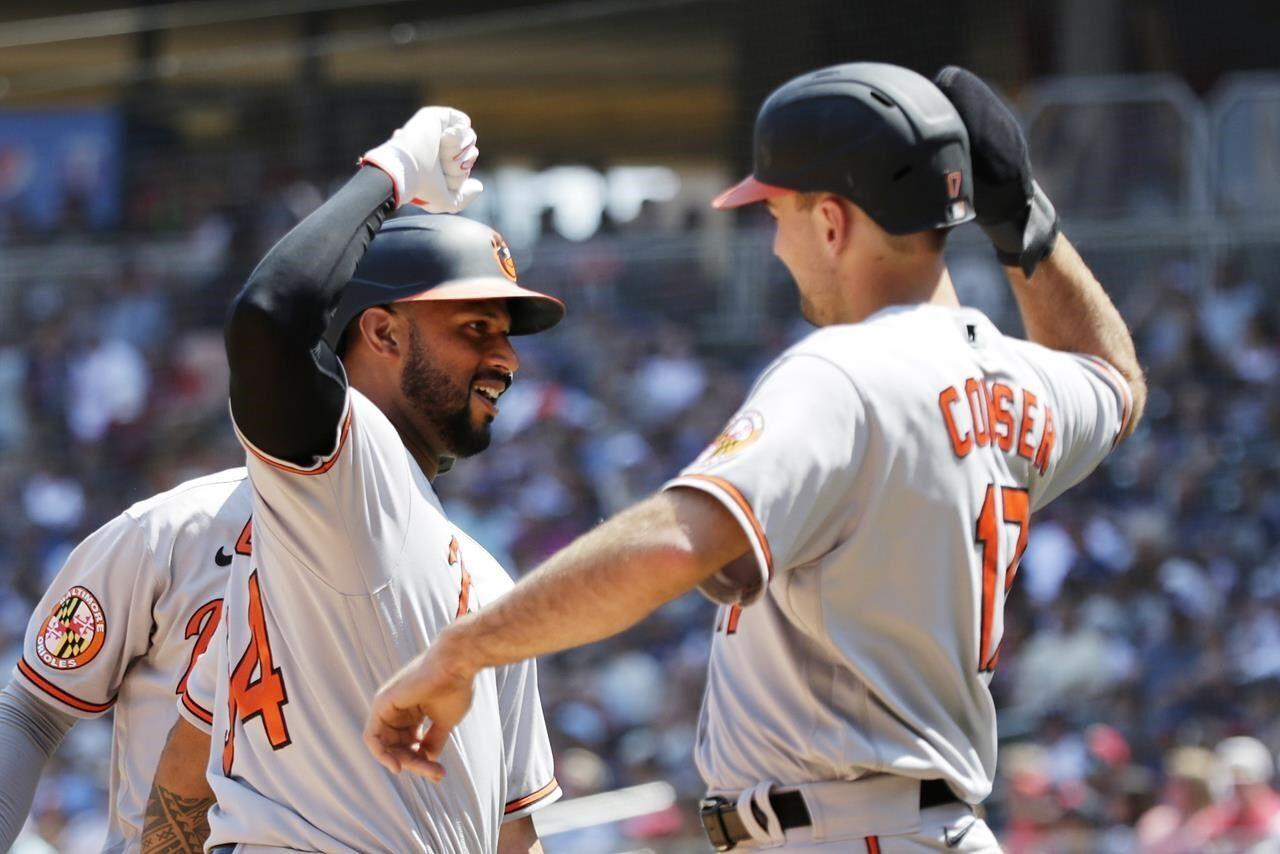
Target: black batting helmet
882,136
440,257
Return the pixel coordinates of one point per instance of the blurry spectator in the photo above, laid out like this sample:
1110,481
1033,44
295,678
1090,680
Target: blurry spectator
1228,308
139,312
1163,828
53,501
669,381
1066,663
1246,811
109,380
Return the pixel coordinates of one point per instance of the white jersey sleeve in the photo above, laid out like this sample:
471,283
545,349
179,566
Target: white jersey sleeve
781,467
196,699
531,780
94,620
345,515
1092,403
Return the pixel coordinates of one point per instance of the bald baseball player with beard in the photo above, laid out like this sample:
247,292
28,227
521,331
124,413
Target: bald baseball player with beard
364,355
861,518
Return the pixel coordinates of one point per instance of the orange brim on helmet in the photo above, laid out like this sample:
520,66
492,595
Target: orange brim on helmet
530,310
748,191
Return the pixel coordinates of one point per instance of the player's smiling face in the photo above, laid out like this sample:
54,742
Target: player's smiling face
458,363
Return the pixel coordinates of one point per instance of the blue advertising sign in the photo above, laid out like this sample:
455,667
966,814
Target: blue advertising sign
61,163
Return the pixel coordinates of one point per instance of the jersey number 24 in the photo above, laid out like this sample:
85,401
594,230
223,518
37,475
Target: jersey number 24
1003,506
264,696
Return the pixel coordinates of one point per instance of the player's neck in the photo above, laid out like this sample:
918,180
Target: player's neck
419,447
909,282
392,404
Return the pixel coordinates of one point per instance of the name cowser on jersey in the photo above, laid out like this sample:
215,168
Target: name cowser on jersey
125,619
355,570
885,474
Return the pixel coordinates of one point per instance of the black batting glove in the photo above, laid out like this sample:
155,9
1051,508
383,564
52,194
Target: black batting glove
1010,206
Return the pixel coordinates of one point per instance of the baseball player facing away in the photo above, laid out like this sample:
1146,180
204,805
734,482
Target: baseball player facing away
862,515
119,629
362,354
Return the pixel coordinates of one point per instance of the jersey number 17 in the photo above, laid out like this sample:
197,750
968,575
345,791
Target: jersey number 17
1003,506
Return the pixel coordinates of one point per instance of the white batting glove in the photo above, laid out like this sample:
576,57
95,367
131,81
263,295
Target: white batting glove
430,159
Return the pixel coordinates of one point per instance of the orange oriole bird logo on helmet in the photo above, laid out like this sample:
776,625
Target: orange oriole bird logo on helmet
503,253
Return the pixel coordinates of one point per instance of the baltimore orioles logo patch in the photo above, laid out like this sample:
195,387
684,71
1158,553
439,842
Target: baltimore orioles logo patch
74,632
742,431
503,253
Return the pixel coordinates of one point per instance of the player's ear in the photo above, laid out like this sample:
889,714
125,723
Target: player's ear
832,217
382,331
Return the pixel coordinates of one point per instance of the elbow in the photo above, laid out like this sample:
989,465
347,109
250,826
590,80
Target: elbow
260,298
183,763
1138,390
250,327
705,539
264,318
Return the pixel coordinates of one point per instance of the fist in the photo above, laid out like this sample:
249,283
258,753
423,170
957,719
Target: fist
1010,206
1001,161
430,160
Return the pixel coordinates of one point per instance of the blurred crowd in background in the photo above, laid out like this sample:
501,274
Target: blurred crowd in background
1143,633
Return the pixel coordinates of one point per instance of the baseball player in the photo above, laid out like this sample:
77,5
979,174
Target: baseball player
363,356
861,517
119,629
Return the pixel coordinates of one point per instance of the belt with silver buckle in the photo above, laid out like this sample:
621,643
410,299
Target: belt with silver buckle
724,826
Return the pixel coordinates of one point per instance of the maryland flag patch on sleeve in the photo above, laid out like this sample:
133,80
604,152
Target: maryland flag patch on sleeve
74,632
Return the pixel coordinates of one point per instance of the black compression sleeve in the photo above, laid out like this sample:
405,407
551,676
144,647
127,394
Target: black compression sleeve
287,385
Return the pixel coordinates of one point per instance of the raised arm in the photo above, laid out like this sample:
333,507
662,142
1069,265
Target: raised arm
1063,306
287,385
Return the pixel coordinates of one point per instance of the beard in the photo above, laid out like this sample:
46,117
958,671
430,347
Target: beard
443,402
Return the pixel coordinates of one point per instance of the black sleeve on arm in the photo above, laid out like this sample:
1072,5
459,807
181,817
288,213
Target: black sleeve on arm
287,386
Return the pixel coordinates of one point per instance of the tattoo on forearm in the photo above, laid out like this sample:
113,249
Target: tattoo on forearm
174,824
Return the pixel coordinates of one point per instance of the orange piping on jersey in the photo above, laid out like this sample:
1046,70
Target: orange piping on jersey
57,693
530,800
735,614
1121,387
962,445
746,508
321,469
196,709
873,845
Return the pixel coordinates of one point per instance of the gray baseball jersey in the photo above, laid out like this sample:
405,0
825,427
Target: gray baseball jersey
885,474
355,570
126,617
